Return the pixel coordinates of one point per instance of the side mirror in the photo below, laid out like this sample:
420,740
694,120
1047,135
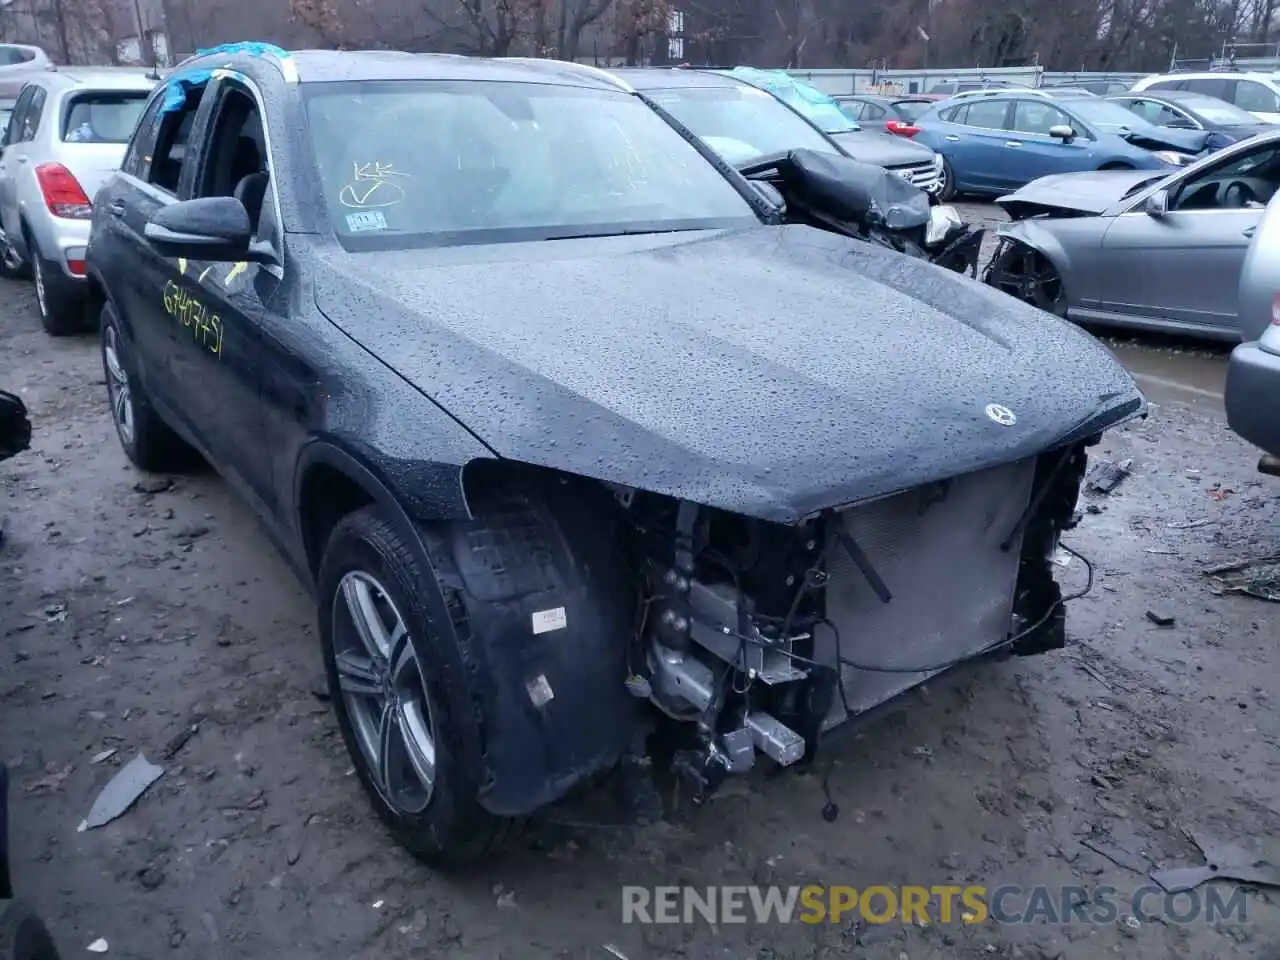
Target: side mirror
1060,131
1157,205
209,228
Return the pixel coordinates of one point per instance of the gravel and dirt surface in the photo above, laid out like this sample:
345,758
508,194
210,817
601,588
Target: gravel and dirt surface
149,614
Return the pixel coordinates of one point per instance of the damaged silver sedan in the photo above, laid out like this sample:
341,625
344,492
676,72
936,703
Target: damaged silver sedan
1137,249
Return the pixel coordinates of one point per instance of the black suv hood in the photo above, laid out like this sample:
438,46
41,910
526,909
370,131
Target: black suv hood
882,149
772,371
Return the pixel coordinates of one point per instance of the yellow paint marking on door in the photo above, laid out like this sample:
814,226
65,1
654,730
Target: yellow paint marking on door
235,271
205,272
182,266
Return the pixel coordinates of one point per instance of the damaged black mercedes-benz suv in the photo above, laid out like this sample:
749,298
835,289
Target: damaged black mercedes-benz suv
599,463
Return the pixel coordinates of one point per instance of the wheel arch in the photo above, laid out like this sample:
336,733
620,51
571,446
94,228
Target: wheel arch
331,480
1033,235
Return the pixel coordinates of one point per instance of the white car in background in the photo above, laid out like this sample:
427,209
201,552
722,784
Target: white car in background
1256,92
67,133
17,62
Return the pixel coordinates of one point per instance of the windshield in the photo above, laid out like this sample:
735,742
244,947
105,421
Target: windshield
739,122
416,163
818,108
103,117
1218,112
1107,116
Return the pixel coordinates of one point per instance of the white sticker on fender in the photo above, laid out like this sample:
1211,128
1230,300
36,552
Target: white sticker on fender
544,621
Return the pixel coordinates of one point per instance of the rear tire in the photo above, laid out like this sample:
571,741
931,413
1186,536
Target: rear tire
22,935
947,188
148,442
403,702
59,300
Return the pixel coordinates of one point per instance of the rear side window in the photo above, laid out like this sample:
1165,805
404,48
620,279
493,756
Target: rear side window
169,154
137,159
989,114
912,109
1212,87
1255,97
12,56
852,108
102,116
1168,85
873,111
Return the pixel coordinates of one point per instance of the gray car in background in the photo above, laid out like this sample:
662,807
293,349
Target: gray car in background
67,133
1140,248
1253,376
742,122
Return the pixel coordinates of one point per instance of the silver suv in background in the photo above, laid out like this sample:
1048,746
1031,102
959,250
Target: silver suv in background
66,134
17,62
1253,376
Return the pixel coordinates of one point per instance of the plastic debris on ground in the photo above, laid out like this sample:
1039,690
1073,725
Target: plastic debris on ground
122,792
1259,577
1106,476
1223,861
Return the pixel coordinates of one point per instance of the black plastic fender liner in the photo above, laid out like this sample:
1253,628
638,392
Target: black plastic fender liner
549,611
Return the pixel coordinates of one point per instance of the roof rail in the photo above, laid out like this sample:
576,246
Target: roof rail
572,66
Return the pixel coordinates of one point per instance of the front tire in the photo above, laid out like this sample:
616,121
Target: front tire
947,187
400,692
148,442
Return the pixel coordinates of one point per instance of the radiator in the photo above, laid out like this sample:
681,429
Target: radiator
937,549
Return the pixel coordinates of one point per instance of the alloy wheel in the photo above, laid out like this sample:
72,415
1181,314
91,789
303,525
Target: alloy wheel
383,690
41,296
117,385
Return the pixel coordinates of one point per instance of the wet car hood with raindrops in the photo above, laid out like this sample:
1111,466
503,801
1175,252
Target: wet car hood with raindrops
771,371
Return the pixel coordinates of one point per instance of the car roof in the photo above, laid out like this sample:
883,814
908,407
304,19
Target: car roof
1214,75
666,78
96,78
328,66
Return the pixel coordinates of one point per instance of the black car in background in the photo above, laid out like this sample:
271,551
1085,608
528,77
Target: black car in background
1189,110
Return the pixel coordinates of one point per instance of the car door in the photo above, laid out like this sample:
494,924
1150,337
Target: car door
974,144
1034,153
1185,265
218,308
155,174
9,164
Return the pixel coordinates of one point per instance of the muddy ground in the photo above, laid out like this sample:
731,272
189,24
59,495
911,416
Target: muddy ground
146,615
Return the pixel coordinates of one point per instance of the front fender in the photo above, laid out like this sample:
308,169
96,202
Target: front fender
1030,233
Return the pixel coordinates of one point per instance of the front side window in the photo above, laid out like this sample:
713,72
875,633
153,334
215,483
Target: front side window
1037,118
1211,87
1246,179
102,116
429,163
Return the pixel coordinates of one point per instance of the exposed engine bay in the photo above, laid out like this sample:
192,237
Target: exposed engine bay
757,639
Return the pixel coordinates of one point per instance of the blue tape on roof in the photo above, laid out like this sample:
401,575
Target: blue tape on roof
819,108
179,85
252,47
176,88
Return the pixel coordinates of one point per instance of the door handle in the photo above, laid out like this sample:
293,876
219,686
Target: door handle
1013,143
116,208
1250,231
953,138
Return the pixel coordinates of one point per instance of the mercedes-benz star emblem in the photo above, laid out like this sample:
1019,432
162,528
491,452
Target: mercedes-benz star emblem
1001,414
